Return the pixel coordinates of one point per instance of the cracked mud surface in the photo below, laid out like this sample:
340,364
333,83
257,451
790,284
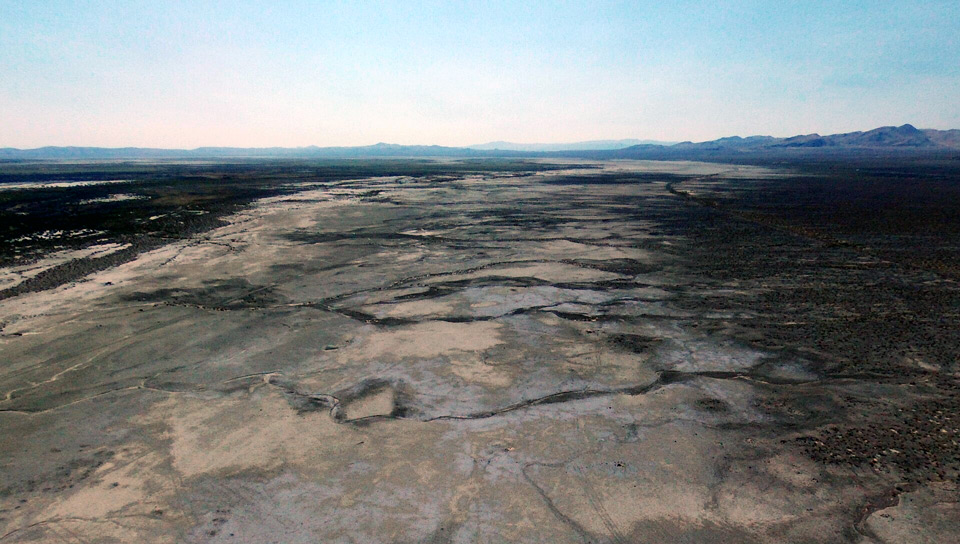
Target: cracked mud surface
610,353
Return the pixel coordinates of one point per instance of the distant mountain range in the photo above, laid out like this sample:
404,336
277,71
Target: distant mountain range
590,145
905,139
902,139
906,136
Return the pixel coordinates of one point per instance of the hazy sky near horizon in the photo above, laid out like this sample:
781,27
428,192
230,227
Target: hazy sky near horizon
188,74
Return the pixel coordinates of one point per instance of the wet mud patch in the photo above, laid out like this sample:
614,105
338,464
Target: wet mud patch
713,405
626,267
65,477
221,294
546,271
635,343
357,238
370,400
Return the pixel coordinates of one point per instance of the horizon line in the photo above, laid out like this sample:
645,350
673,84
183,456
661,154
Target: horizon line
647,141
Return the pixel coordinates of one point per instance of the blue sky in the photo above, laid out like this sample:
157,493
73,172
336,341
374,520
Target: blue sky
172,74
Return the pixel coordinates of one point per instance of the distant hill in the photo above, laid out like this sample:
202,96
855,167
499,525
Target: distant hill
590,145
944,138
905,138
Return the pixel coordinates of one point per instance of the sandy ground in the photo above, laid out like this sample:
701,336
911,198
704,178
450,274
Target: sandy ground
489,359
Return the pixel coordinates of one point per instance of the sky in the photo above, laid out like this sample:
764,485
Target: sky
260,74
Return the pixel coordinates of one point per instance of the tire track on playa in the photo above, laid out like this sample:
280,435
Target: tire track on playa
548,502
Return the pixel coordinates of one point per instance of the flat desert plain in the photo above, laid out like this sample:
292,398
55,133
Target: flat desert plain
594,352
